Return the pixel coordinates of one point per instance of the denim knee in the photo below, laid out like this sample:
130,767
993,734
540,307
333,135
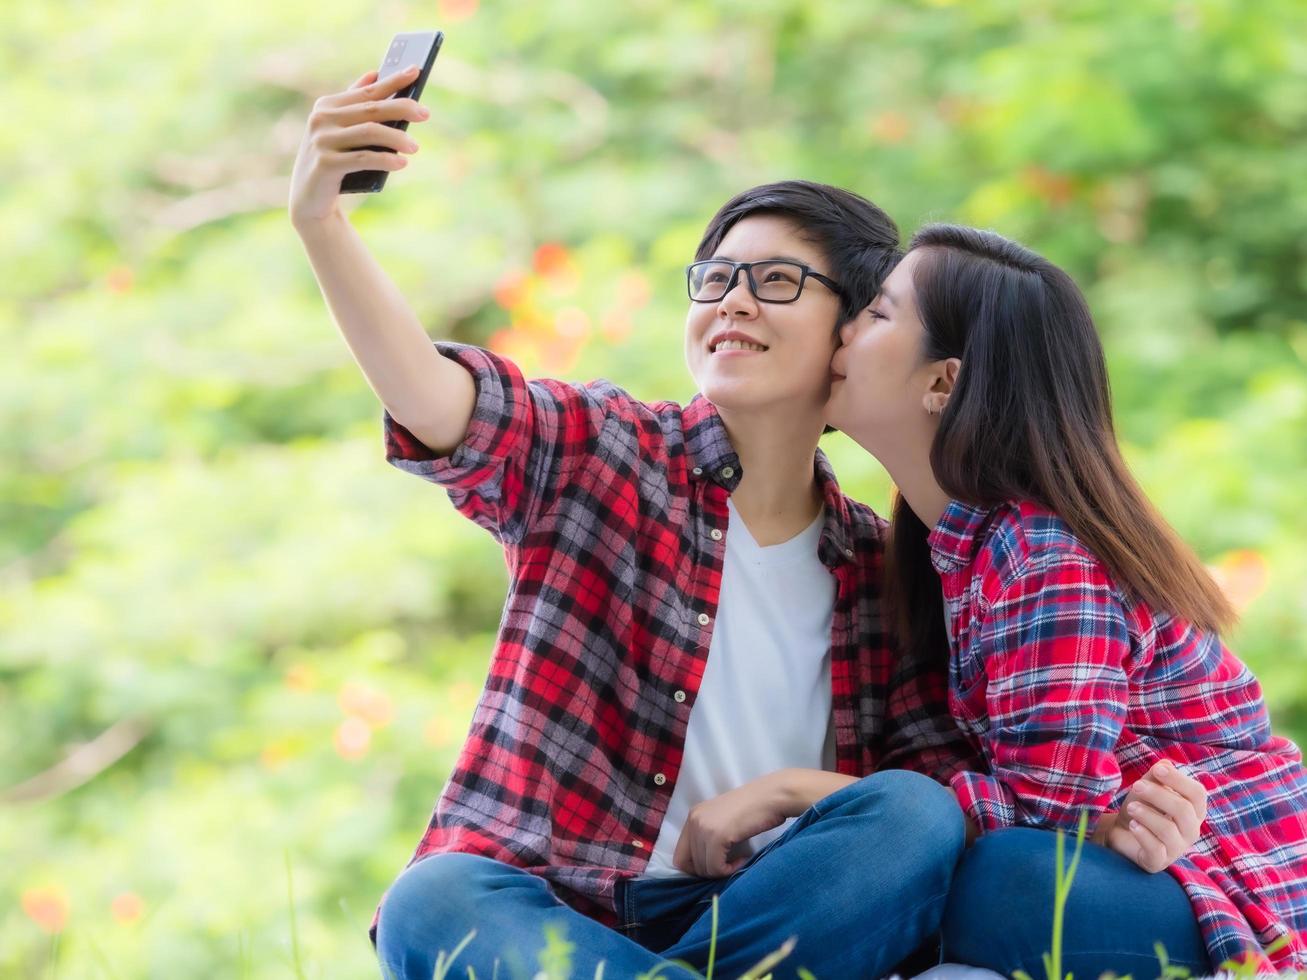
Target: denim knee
994,877
999,912
916,801
921,813
432,904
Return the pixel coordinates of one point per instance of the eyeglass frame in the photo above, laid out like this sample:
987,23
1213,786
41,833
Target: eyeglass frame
805,273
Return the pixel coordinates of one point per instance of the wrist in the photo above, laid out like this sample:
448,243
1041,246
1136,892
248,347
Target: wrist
798,789
787,792
308,227
1105,824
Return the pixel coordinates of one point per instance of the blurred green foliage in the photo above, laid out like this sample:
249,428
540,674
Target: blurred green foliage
207,569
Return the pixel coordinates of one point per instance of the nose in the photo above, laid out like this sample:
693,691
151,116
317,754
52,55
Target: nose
739,300
846,332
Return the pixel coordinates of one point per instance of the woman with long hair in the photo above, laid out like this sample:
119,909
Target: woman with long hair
1082,636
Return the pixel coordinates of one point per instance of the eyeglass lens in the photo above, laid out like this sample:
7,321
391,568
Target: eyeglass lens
775,281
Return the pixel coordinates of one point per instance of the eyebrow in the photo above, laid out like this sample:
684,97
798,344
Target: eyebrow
773,258
887,296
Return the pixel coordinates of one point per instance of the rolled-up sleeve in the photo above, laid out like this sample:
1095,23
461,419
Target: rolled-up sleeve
523,441
1054,645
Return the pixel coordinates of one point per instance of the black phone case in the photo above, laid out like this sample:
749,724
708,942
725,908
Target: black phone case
400,55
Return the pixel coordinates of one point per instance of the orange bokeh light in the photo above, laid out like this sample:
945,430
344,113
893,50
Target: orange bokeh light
453,11
1052,188
551,259
301,677
441,732
366,703
120,279
616,326
572,323
127,908
1243,576
891,127
352,739
47,907
633,290
512,290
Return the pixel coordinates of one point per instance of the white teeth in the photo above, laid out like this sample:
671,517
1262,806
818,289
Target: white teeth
738,345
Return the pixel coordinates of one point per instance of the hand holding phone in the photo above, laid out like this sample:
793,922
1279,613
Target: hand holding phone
407,53
362,127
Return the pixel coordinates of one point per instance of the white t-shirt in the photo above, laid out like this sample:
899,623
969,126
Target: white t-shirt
765,700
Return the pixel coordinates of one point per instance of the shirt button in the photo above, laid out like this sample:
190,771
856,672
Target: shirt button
697,471
728,472
704,619
848,552
679,697
715,534
659,779
637,843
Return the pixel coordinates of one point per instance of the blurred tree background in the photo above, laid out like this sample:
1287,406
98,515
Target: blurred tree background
237,650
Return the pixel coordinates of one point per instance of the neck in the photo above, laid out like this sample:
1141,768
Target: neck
778,495
907,460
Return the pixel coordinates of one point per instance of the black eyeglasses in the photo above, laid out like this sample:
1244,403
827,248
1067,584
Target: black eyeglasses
772,281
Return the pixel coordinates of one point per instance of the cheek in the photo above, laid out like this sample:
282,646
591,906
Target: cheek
884,354
864,358
696,325
700,317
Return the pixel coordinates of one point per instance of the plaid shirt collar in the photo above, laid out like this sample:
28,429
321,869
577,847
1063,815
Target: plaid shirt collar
711,457
958,535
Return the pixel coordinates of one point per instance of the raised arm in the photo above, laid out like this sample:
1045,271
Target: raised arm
428,394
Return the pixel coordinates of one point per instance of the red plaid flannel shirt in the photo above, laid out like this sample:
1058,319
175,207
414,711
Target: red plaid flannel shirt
612,516
1072,691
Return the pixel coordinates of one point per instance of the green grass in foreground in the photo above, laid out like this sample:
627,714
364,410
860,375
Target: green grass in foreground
555,960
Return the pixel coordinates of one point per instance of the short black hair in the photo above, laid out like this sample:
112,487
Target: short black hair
860,241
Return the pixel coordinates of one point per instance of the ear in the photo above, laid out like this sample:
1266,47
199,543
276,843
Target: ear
943,379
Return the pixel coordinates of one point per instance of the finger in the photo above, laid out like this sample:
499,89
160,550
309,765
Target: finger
712,860
356,91
383,110
379,88
368,134
1177,808
1125,843
1136,842
681,854
1184,784
1150,791
1170,803
718,866
348,161
1161,826
1153,856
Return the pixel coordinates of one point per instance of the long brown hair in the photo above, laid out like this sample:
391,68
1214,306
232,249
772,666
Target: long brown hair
1030,418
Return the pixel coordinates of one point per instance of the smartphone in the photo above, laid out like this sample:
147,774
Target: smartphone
418,48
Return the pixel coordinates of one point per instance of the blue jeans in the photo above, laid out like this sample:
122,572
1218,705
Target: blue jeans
860,879
1000,911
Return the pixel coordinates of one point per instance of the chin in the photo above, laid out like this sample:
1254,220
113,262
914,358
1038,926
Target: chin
732,396
833,413
749,395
